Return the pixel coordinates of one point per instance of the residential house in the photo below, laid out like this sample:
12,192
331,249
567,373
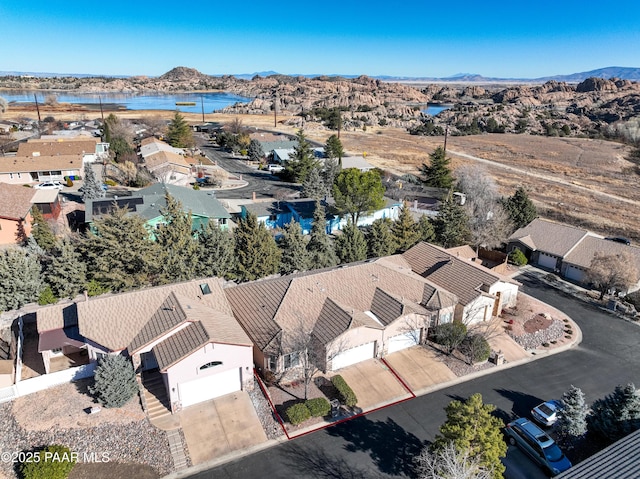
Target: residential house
481,292
48,202
91,149
357,162
151,146
494,260
15,213
168,167
342,315
150,201
184,332
20,170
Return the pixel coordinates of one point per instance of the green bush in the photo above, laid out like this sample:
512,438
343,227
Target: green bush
51,462
298,413
318,407
450,335
517,257
47,297
476,348
110,182
347,396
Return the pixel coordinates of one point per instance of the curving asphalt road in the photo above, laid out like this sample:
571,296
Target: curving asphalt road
383,443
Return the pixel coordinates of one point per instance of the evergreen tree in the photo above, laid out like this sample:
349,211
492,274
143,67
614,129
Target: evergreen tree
179,133
295,256
91,189
380,240
425,229
255,152
617,415
437,173
257,254
572,417
313,186
67,273
302,161
20,278
330,170
473,430
405,230
114,381
452,224
215,252
351,245
120,254
356,192
118,136
520,208
179,248
320,247
333,149
41,232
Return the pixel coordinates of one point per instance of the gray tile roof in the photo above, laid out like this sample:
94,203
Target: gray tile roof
385,307
168,316
332,322
549,237
267,208
180,345
583,253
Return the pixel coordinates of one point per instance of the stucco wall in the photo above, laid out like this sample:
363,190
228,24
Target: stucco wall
9,229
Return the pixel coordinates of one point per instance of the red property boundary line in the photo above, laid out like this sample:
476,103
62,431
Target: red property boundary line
334,423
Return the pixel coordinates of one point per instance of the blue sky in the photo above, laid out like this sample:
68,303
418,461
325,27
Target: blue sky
413,38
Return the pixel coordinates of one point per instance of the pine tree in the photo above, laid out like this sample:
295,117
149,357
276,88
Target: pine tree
121,254
320,247
356,192
425,229
437,173
255,152
472,429
333,149
572,417
179,133
20,278
215,252
380,240
520,208
41,232
295,256
257,254
617,415
67,273
351,245
452,224
330,170
114,381
175,238
314,187
302,161
90,189
405,230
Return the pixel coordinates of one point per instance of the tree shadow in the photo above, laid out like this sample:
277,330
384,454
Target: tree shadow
522,403
391,447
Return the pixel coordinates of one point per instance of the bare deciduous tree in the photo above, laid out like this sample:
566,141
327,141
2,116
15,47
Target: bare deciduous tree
449,463
612,271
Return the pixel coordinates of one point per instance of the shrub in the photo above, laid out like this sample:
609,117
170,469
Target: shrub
114,381
298,413
517,257
450,335
269,377
476,348
110,182
47,297
347,396
51,462
318,407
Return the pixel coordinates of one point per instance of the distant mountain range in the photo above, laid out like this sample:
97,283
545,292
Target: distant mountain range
624,73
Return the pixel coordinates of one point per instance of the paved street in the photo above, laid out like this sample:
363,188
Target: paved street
383,443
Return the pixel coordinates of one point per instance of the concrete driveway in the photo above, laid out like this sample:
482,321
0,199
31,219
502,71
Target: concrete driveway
220,426
419,368
374,384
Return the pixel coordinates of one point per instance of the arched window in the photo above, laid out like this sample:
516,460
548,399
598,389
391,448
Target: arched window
212,364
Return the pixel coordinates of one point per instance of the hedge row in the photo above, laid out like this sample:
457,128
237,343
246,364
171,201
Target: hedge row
300,412
347,396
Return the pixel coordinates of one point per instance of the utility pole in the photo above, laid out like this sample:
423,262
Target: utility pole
275,110
202,103
446,134
101,110
37,109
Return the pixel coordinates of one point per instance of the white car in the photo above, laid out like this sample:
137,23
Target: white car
274,168
49,185
546,413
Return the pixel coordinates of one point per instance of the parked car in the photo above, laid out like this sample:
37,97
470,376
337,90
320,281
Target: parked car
275,168
546,413
619,239
538,445
49,185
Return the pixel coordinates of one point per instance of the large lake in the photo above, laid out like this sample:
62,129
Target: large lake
147,101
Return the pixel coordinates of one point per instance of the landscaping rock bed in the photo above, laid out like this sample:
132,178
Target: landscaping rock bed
552,330
271,427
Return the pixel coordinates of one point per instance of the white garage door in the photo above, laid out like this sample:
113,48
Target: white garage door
353,355
547,261
574,273
403,341
209,387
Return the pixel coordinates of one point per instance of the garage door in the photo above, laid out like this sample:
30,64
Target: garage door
574,273
547,261
403,341
353,356
209,387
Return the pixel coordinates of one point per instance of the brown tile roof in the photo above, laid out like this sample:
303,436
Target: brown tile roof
180,345
465,251
15,201
582,254
168,316
462,278
332,322
66,146
26,164
57,316
549,237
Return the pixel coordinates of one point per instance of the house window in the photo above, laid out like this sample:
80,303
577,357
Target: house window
445,318
272,363
291,360
204,287
212,364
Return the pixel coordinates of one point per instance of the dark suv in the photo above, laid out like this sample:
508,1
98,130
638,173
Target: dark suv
538,445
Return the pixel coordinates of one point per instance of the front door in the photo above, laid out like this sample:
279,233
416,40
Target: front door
148,361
